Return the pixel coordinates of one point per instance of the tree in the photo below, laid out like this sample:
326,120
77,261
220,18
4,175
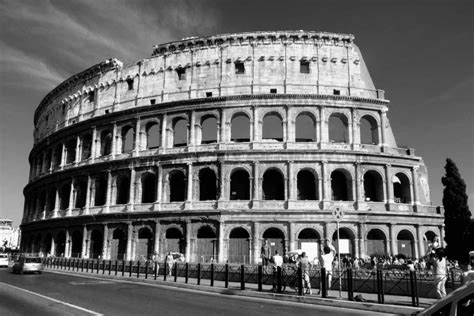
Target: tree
457,216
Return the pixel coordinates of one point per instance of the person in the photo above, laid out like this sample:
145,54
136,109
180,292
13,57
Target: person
265,253
169,262
305,264
440,272
327,258
467,275
277,261
433,246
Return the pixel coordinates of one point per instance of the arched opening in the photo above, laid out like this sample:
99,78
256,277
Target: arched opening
308,241
239,246
123,189
209,130
376,243
368,130
307,186
346,242
37,242
76,246
239,185
64,194
81,193
47,242
47,160
341,185
401,188
128,139
338,128
86,147
373,186
273,240
105,143
148,188
272,127
60,244
273,185
177,186
206,245
180,132
406,243
71,151
144,250
207,185
100,187
240,128
174,240
153,135
428,238
305,128
118,245
51,200
57,156
96,244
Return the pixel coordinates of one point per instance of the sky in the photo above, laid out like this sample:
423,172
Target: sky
419,52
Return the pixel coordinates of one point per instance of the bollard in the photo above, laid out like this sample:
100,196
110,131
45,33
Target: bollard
146,269
380,294
226,276
175,268
98,266
87,265
103,266
260,277
166,271
82,265
138,269
156,269
186,272
199,274
300,281
130,269
212,274
279,276
324,285
414,289
69,264
350,285
123,267
242,277
116,266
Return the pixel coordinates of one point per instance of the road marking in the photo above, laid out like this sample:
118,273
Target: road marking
54,300
90,282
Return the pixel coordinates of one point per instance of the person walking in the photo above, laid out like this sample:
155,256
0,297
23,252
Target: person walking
277,261
327,257
169,262
305,265
440,272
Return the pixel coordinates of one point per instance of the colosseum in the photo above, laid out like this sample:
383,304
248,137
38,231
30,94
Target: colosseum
216,146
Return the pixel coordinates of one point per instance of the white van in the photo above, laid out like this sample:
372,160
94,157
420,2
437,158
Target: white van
3,260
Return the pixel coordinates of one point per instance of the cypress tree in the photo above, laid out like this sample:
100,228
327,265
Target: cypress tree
457,216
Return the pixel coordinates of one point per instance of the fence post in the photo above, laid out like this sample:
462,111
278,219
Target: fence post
123,267
324,291
212,274
416,291
260,277
226,277
175,268
130,270
138,269
380,294
300,281
242,277
82,265
279,276
110,267
98,266
146,269
87,265
350,285
186,272
199,274
165,276
116,267
103,266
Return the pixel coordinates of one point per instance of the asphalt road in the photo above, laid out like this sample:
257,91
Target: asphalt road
60,294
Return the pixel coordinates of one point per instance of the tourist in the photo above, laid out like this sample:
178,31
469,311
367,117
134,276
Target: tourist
440,272
170,262
326,260
305,264
265,253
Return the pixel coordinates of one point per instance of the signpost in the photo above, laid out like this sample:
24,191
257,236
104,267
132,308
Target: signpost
338,214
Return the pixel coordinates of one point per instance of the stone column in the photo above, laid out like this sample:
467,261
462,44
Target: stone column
291,236
326,189
255,131
159,186
441,236
88,194
114,150
109,191
129,241
105,245
53,247
188,240
67,251
256,243
192,129
189,196
156,246
163,132
362,236
383,120
416,246
223,189
355,130
393,239
63,156
414,176
358,185
292,187
221,256
389,185
45,205
71,198
137,148
324,132
94,144
131,195
85,241
421,245
223,127
77,159
256,195
56,203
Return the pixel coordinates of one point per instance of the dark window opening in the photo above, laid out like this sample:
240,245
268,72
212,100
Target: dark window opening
148,188
81,191
177,188
306,185
181,73
336,92
123,190
153,135
208,94
273,90
86,147
341,186
207,185
128,139
304,67
338,128
240,128
130,83
373,187
107,111
239,68
100,192
368,130
105,143
305,128
152,101
64,196
180,133
91,96
239,185
272,127
71,151
401,188
209,130
273,186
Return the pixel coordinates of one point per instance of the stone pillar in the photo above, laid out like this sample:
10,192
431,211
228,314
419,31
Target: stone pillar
88,194
156,246
223,189
109,191
326,182
192,129
291,236
189,196
358,185
221,256
53,247
414,176
255,130
94,144
45,205
163,132
416,246
85,241
159,186
383,120
188,241
355,130
393,239
256,195
223,128
67,251
137,148
441,236
324,132
71,198
114,150
292,186
289,136
421,245
131,195
389,184
129,241
77,159
63,156
256,243
56,203
105,245
362,237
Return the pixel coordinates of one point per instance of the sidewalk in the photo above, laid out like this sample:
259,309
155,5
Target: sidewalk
394,304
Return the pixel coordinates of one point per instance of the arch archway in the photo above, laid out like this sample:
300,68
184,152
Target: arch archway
153,135
338,128
239,185
273,185
272,128
174,240
341,185
177,186
373,186
144,250
207,185
346,242
368,130
307,185
206,245
305,128
308,241
240,128
100,188
118,244
273,240
180,132
123,189
406,243
76,244
86,144
96,244
239,246
209,130
148,188
401,188
376,243
128,139
60,244
105,143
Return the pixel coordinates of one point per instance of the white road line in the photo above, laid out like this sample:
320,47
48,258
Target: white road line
54,300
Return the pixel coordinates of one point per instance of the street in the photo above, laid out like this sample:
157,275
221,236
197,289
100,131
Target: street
60,294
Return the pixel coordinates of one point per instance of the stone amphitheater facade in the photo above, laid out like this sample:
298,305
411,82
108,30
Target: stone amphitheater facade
216,146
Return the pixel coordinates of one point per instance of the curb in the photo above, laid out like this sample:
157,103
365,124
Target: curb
368,306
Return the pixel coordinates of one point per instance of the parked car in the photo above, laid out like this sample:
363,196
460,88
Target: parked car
3,260
459,302
28,264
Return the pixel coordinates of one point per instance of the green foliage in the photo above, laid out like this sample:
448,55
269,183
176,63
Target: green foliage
457,216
